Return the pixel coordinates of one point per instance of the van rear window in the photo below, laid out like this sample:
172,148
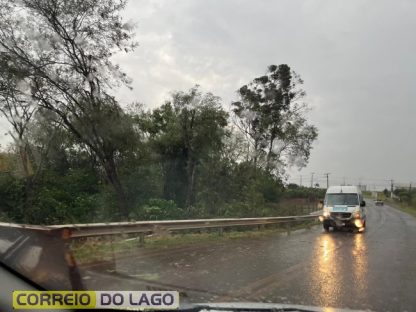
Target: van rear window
341,199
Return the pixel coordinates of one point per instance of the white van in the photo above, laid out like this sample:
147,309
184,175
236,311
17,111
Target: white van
343,207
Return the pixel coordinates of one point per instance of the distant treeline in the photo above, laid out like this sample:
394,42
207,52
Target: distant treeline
176,161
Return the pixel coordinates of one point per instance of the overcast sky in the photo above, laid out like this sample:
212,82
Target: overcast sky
357,59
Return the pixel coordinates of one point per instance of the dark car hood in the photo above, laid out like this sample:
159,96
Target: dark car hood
255,306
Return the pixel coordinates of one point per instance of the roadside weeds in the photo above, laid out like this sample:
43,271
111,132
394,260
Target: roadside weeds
106,248
403,207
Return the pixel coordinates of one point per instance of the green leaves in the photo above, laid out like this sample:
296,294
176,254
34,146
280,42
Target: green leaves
158,209
62,50
185,132
271,116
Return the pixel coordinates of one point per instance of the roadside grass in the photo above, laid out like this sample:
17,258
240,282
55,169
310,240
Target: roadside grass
410,209
107,248
369,195
382,196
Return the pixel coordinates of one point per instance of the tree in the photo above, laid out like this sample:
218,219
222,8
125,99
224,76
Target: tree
62,51
271,116
186,131
18,107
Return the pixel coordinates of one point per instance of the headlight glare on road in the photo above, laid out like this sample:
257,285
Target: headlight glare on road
358,223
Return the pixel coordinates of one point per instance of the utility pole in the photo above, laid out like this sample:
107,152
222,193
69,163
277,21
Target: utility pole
312,178
344,181
327,179
391,186
300,180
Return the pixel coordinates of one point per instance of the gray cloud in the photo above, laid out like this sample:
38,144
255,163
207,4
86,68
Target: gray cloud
356,58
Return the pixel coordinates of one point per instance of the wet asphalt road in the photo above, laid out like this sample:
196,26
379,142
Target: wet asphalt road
375,270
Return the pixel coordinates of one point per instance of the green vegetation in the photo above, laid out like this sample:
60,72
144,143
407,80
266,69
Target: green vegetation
78,155
410,209
367,194
380,195
405,199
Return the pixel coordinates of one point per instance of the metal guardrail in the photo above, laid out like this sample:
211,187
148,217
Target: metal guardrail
115,228
42,253
39,253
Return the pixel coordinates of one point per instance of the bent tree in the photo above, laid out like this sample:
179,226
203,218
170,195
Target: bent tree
61,50
271,115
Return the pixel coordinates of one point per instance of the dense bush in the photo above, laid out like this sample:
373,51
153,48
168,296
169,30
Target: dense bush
158,209
179,161
294,191
79,197
406,195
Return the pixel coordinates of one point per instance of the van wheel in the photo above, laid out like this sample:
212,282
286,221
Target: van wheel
326,227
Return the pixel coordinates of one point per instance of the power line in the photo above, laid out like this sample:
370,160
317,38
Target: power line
370,183
392,185
327,179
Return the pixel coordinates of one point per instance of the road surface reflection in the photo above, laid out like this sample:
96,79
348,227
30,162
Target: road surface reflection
334,276
360,266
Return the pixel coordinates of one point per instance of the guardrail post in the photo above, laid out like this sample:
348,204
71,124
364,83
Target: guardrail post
141,239
59,245
288,226
161,231
221,231
74,274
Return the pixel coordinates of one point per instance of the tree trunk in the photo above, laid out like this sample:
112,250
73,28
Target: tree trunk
25,160
29,182
113,178
191,184
256,147
28,202
269,154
